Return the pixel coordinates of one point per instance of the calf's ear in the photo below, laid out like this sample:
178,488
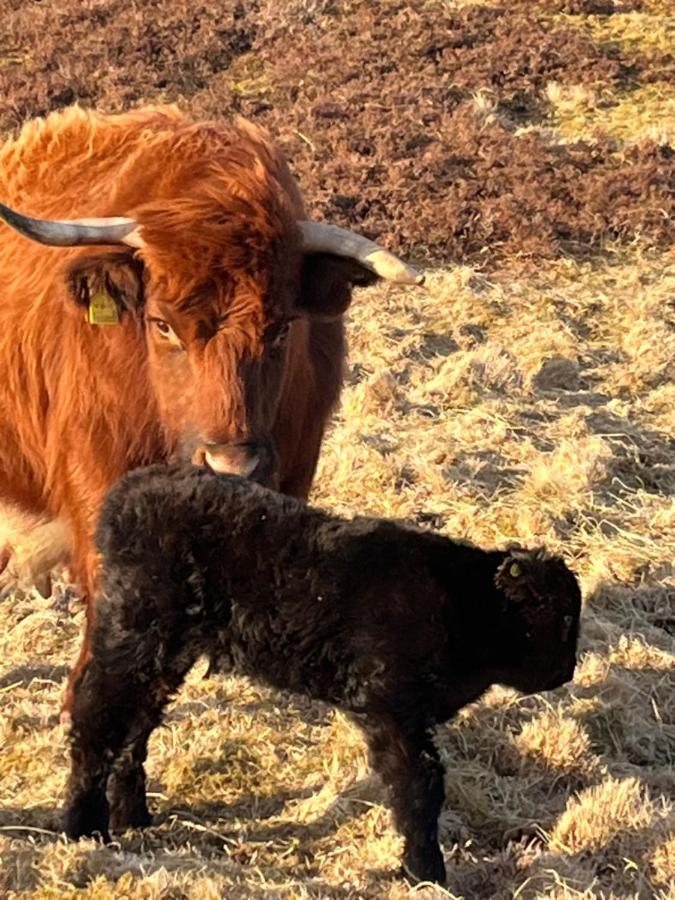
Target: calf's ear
326,284
513,576
115,275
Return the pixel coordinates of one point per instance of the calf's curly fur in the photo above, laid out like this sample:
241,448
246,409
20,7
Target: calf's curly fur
397,627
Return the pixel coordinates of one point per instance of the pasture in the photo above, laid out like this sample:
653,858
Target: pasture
523,153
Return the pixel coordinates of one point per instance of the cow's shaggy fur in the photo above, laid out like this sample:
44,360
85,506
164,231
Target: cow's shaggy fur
397,627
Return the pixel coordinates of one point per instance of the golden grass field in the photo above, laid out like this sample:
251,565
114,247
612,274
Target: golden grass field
528,402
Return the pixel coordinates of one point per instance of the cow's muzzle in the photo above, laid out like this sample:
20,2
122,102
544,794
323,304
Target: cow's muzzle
256,460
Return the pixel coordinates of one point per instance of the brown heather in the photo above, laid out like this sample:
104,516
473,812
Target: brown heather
526,151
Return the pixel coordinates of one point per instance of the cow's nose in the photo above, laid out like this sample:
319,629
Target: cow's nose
232,459
255,459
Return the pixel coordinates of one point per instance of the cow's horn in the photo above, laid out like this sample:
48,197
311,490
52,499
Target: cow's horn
74,232
318,237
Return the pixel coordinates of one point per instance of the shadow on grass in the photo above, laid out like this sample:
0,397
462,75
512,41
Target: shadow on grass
37,824
24,675
230,852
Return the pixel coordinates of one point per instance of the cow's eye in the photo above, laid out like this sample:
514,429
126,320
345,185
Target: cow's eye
163,327
167,333
567,627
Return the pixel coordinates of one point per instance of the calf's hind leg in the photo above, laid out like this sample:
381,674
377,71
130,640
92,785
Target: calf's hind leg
407,761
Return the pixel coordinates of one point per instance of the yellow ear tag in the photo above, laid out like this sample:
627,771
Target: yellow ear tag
514,570
102,310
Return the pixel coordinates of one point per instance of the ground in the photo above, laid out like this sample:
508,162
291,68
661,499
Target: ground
522,152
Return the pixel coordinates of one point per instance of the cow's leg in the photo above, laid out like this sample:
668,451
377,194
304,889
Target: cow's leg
85,567
407,761
84,657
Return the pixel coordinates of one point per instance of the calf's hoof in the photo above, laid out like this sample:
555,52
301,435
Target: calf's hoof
123,817
87,817
424,866
127,799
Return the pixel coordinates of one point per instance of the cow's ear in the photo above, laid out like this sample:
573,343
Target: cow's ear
326,284
117,275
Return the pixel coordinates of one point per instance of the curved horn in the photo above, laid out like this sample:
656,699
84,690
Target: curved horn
74,232
318,237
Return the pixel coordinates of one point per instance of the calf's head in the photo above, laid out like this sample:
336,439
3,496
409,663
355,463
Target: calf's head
539,620
222,281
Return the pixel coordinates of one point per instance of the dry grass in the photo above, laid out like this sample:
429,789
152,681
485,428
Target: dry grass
641,111
646,114
652,28
534,403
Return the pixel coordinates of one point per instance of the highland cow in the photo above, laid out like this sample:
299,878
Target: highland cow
397,627
197,316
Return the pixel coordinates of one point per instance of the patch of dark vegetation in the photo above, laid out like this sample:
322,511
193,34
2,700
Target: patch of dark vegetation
479,189
471,48
588,7
403,126
113,54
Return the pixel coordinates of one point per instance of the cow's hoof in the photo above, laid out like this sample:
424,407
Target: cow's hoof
87,817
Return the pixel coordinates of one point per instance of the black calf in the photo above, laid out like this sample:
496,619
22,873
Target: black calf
397,627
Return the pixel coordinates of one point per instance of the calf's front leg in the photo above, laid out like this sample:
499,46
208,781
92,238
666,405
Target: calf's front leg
102,711
126,784
114,712
407,761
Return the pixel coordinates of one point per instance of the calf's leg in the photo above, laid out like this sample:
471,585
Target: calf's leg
103,709
126,784
407,761
113,715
